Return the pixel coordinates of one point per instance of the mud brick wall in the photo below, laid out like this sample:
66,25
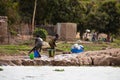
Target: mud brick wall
3,29
67,31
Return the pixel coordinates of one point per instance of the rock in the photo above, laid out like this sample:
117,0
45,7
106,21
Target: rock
16,62
28,62
102,61
110,57
114,61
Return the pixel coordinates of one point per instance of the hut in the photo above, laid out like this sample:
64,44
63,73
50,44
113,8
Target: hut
67,31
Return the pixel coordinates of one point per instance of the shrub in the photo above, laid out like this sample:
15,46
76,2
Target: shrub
42,32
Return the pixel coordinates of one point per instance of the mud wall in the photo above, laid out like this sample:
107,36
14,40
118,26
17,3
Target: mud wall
67,31
3,29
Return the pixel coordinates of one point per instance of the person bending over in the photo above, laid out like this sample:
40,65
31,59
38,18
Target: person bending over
38,45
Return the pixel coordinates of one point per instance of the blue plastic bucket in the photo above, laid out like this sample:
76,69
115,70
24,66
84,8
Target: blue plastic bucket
76,50
36,54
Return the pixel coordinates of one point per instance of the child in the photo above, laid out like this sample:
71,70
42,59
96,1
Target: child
38,45
52,42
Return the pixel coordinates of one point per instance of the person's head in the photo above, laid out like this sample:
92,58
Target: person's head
37,35
56,36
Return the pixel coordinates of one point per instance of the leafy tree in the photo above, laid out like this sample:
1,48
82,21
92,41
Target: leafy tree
3,10
102,16
26,8
9,8
111,9
33,18
88,11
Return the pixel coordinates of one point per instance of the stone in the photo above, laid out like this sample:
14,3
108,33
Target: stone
109,57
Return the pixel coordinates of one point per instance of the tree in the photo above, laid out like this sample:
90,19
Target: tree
33,19
87,11
9,8
26,8
3,9
112,10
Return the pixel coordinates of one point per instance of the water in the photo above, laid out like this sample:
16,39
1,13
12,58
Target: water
49,73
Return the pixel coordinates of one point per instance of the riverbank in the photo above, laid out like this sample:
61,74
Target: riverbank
109,57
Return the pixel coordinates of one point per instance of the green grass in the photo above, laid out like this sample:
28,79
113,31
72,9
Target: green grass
67,47
90,46
116,43
13,49
64,47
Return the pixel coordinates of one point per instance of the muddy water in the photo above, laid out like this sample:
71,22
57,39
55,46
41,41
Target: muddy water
49,73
